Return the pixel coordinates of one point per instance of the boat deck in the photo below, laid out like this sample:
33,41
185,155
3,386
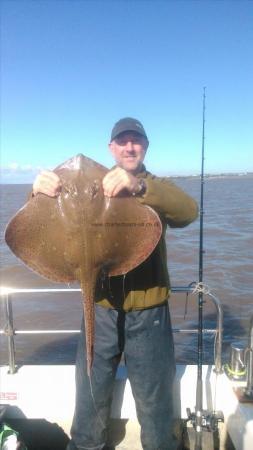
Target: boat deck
40,403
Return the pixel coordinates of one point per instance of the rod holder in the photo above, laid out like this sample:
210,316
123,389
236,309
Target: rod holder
236,369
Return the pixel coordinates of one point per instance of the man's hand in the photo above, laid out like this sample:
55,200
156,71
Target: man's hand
48,183
118,179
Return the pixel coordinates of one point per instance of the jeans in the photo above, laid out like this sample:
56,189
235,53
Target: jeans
145,336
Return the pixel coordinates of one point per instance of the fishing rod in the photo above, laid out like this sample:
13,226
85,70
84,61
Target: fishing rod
202,420
199,391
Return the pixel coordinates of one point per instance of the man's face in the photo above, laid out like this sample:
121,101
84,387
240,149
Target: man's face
129,149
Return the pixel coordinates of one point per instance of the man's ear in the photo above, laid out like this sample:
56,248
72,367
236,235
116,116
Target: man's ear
111,147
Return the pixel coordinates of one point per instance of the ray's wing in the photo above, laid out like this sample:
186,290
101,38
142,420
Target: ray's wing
38,235
128,232
46,233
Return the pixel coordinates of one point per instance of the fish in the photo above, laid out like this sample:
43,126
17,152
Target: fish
81,235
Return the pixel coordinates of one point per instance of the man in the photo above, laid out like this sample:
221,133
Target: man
131,312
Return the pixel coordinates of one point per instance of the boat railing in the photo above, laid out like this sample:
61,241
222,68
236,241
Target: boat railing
249,362
9,330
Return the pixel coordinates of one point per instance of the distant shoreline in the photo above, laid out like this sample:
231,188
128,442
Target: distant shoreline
216,175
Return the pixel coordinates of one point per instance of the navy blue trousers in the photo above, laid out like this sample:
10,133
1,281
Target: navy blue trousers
146,338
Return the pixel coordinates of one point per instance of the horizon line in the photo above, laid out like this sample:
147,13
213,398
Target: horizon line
198,175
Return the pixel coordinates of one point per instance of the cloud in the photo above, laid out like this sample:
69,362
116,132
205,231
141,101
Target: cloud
13,166
15,173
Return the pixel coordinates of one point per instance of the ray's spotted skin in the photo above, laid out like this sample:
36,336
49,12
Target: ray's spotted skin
77,233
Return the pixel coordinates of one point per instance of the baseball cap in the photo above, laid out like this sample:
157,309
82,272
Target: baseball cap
127,124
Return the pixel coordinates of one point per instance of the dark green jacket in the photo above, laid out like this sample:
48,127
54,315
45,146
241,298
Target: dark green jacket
148,284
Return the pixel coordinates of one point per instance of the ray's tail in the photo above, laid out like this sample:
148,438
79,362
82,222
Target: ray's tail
89,320
88,290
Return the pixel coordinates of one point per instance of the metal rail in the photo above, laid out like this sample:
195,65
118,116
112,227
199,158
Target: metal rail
9,331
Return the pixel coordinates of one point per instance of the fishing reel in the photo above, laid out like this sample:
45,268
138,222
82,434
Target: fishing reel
208,421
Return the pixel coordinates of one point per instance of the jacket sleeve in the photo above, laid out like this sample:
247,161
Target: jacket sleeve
174,206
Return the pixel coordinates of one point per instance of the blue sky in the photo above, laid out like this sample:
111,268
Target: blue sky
71,69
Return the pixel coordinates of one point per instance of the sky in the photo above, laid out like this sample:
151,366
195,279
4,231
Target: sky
71,68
